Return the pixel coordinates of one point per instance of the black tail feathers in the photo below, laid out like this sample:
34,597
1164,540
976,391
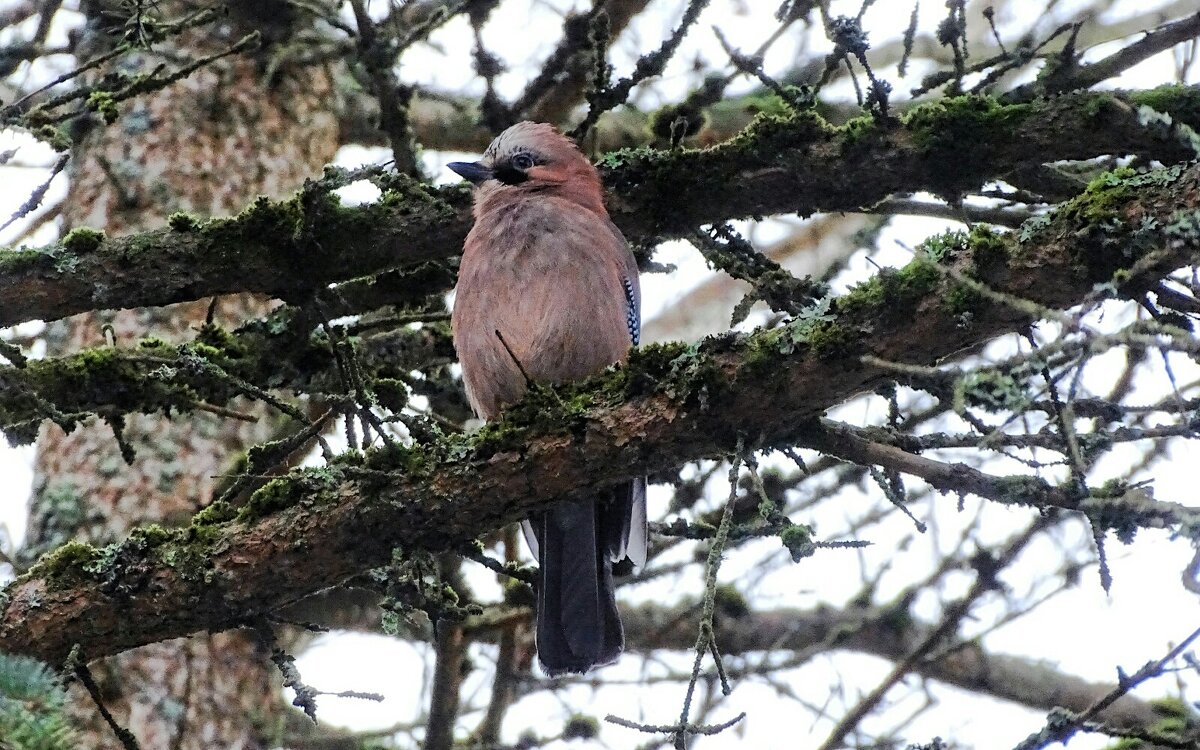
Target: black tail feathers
577,544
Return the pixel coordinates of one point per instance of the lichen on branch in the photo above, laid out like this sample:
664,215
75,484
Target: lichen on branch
793,162
316,527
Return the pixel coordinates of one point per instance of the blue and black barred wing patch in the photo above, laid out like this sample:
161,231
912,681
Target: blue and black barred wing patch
633,316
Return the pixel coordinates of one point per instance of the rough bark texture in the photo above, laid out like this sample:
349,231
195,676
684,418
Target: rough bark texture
210,144
317,527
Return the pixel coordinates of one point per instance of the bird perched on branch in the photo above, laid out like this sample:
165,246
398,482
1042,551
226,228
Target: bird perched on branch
548,292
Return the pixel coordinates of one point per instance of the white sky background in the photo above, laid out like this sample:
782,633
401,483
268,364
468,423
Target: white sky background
1082,630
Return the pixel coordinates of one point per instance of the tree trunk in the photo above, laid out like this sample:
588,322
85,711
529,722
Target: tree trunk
210,144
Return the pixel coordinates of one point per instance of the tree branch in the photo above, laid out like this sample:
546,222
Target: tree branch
1081,77
854,445
797,163
154,376
965,664
317,527
881,632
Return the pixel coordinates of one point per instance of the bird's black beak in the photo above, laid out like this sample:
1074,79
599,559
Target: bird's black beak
472,171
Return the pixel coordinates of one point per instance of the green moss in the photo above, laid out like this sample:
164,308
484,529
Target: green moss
107,375
580,727
276,217
983,244
816,329
542,407
54,136
492,438
767,136
309,486
204,536
1173,708
104,104
892,290
988,247
1104,211
260,458
1098,106
275,495
762,352
122,381
1180,101
1099,203
651,359
1179,721
83,240
944,247
393,394
620,158
16,262
151,535
262,220
411,461
858,130
519,593
960,299
215,514
797,538
72,558
964,123
221,342
981,248
182,221
767,140
832,339
680,371
685,373
205,351
897,618
190,560
402,195
913,281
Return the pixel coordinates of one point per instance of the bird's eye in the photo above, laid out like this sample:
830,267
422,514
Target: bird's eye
522,161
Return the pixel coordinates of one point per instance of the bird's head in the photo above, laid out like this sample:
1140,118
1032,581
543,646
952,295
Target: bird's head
532,158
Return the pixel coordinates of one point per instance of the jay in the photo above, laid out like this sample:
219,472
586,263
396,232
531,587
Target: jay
548,292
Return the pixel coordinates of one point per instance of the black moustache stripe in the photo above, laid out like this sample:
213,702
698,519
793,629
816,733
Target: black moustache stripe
510,175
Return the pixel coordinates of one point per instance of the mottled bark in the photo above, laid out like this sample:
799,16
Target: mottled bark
210,144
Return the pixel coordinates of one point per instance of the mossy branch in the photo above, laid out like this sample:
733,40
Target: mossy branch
791,163
154,376
317,527
288,249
